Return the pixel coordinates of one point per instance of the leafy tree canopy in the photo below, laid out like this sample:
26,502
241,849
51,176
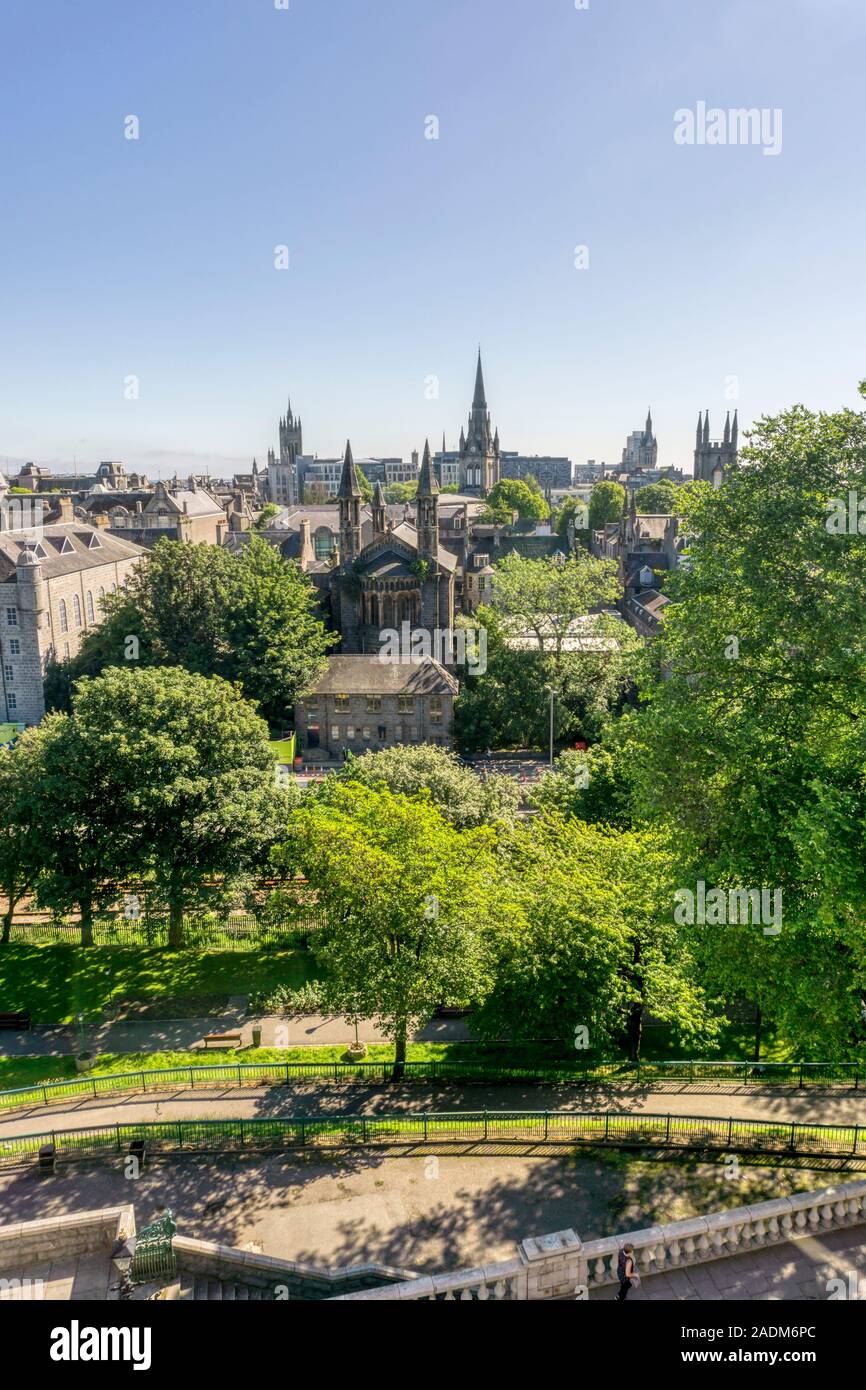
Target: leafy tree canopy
249,618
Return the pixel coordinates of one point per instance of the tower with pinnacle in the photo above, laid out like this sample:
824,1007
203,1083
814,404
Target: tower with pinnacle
714,457
283,483
479,446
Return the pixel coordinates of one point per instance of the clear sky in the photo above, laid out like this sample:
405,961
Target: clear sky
305,127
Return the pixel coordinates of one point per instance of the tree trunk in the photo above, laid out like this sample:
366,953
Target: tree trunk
175,923
7,924
635,1031
399,1052
758,1021
85,908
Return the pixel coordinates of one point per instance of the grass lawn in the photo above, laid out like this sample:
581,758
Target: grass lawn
56,983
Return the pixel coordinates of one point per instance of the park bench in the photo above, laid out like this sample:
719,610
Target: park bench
222,1039
20,1021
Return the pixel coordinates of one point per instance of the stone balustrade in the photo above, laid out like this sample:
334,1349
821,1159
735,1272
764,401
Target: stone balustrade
561,1266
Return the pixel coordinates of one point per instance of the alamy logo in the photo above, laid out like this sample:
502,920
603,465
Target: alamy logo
77,1343
846,518
737,126
22,1288
22,514
719,907
463,646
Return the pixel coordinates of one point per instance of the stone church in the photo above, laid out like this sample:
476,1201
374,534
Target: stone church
402,575
714,458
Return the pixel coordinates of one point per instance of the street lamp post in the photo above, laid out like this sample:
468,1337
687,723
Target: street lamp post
550,689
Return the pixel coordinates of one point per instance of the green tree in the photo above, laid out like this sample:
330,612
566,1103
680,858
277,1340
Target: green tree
249,618
571,510
266,515
463,798
365,485
530,649
402,893
512,495
20,856
594,785
75,827
396,493
158,776
751,749
594,946
606,502
656,499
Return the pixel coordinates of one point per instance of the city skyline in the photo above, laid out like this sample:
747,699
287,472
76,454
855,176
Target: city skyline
505,172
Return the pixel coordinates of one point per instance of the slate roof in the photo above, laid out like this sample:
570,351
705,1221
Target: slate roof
367,675
86,553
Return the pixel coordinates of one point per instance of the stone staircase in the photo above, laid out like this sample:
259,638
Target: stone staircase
201,1288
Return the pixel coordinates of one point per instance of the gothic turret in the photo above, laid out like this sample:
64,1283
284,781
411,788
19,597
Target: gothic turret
378,510
349,499
428,507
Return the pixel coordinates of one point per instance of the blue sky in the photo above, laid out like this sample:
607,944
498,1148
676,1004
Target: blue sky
261,127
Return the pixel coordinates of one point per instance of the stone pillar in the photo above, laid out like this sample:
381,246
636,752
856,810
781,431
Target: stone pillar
555,1266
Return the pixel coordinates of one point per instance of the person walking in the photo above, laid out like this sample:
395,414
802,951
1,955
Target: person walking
626,1272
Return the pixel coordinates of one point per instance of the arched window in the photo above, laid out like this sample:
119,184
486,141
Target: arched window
88,603
64,620
76,609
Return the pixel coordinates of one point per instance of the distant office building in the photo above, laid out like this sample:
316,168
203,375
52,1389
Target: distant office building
548,472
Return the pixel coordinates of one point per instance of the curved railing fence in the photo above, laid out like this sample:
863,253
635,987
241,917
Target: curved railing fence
501,1128
848,1074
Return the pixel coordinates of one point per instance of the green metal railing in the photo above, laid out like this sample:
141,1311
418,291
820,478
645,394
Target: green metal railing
554,1072
507,1127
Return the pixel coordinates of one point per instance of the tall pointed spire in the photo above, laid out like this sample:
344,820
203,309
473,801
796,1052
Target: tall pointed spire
736,431
727,439
700,430
349,501
479,402
349,485
427,484
707,428
649,423
427,505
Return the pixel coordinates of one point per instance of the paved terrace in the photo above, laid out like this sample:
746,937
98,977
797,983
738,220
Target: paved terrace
469,1207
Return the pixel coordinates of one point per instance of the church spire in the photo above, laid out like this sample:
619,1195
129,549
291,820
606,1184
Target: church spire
349,500
479,402
427,484
427,502
349,485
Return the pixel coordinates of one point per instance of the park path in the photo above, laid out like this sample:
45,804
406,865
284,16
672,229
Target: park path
815,1105
181,1034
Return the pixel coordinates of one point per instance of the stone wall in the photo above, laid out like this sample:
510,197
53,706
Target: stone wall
30,1242
266,1271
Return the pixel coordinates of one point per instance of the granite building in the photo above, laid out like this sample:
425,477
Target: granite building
53,578
362,704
